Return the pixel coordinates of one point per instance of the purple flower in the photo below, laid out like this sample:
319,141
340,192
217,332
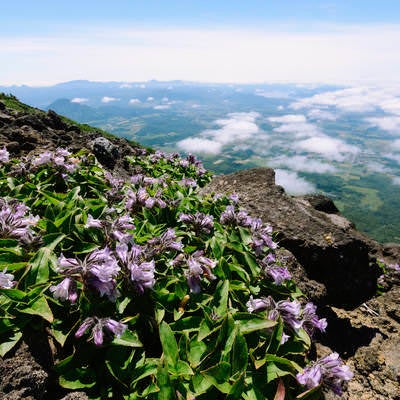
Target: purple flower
199,221
330,371
65,290
98,269
6,280
141,198
4,155
278,274
14,223
261,236
100,327
199,266
394,267
141,271
230,217
310,320
289,311
93,223
61,158
234,198
188,182
167,241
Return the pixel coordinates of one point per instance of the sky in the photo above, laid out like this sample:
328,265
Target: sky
45,42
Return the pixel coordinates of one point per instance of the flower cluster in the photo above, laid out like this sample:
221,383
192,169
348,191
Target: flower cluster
141,198
98,270
60,158
198,266
167,241
14,223
200,222
233,218
290,312
261,236
100,328
141,270
329,371
274,271
116,229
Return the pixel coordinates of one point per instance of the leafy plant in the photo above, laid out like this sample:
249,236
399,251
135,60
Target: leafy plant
147,289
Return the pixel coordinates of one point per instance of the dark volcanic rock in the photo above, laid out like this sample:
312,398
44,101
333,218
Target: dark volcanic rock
105,151
328,248
322,203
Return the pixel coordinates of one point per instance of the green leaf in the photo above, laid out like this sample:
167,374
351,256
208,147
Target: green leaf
39,307
129,339
169,345
13,294
181,368
196,353
220,298
7,344
44,260
166,390
255,324
274,372
240,354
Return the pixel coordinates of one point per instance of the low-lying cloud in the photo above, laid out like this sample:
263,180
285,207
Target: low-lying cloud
79,100
236,128
107,99
293,183
389,124
302,163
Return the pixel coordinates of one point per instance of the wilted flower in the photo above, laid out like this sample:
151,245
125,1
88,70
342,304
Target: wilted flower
330,371
199,221
4,155
65,290
6,280
101,326
310,320
141,271
14,223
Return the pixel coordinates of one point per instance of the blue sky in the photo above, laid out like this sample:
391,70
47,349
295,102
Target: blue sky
218,40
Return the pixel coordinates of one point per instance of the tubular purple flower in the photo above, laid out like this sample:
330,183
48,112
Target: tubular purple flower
93,223
6,280
199,221
98,335
290,312
4,155
310,320
199,266
167,241
254,305
65,290
87,323
115,327
278,274
329,370
310,377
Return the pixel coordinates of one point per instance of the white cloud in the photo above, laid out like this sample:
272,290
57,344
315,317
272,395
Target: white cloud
396,180
107,99
200,145
388,123
295,124
162,107
335,53
237,127
377,167
134,101
79,100
318,114
392,156
280,108
165,99
396,145
293,183
356,99
302,163
330,148
125,86
150,98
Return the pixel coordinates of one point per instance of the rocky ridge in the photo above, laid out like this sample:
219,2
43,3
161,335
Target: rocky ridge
333,263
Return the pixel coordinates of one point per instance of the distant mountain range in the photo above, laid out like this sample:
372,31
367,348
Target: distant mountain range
341,141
